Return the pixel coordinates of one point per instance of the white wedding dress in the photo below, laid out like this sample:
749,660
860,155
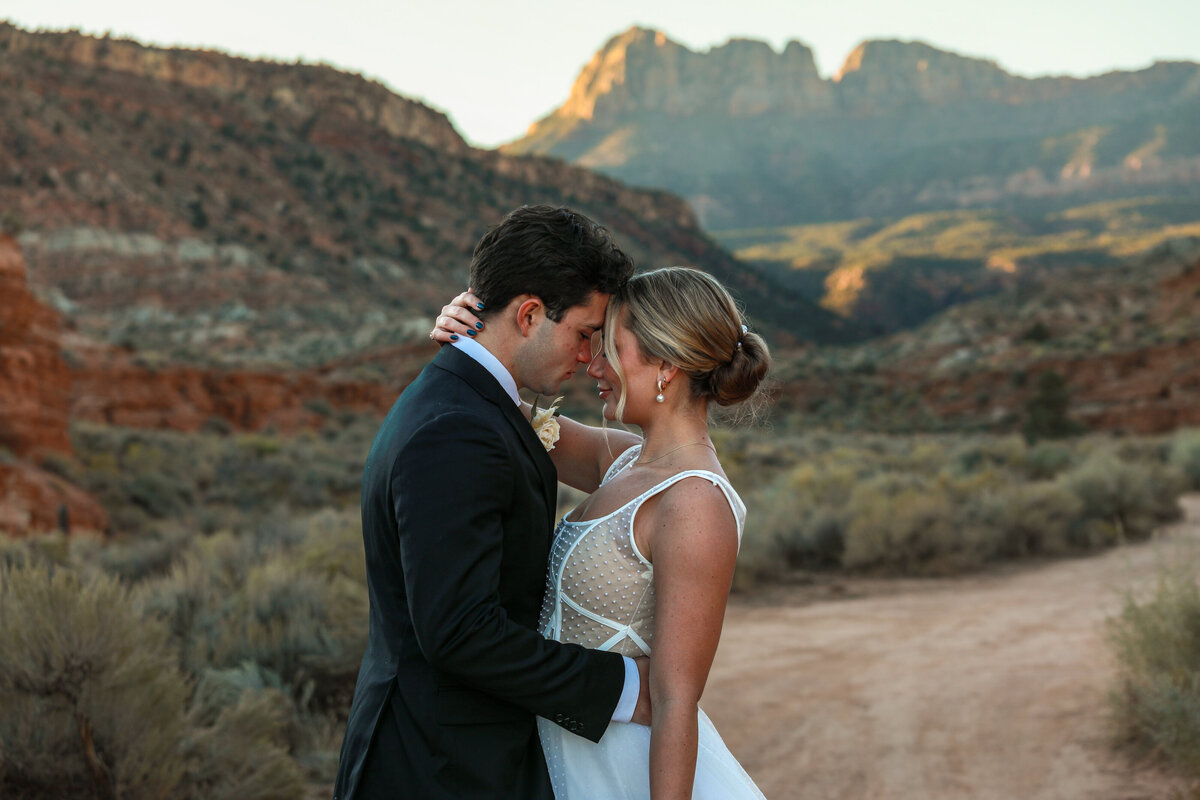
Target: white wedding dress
600,594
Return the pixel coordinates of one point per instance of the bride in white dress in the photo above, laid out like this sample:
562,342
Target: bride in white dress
644,565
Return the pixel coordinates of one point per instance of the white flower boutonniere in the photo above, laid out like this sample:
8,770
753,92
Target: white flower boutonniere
544,423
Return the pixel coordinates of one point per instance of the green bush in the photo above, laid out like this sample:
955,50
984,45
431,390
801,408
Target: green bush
1156,702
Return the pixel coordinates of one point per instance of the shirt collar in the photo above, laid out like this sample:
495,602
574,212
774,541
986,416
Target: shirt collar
492,364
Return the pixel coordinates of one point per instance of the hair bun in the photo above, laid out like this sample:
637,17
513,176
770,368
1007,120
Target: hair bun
739,379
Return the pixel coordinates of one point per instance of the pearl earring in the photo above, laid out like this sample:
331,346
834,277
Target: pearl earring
659,399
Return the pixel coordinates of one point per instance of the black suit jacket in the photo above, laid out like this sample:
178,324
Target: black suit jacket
458,505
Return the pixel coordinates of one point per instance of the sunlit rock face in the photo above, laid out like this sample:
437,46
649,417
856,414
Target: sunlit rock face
755,137
643,71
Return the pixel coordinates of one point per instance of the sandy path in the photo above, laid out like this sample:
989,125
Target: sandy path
989,687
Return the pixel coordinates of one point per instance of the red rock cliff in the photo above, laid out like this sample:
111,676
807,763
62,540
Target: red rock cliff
35,398
35,383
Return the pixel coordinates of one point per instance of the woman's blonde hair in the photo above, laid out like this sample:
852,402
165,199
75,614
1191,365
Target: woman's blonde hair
687,318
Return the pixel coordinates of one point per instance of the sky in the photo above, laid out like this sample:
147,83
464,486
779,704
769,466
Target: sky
496,66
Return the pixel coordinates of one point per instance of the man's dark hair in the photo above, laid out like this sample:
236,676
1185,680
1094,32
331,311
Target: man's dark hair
556,254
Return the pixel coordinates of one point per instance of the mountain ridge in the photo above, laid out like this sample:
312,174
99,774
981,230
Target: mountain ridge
214,210
215,70
753,136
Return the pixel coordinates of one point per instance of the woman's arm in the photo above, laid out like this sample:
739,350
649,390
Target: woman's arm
691,536
583,453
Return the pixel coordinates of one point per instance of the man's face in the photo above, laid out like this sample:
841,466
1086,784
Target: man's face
559,348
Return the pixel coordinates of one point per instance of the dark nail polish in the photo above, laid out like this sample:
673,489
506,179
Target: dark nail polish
470,333
479,325
480,306
454,337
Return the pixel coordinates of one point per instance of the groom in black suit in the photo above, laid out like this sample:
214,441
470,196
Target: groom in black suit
458,505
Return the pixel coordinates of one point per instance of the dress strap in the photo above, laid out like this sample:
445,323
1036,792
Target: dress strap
735,502
621,462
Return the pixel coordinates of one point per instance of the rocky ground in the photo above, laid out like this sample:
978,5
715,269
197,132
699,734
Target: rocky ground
988,687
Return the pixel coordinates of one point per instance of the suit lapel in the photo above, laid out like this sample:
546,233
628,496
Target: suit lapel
537,451
471,371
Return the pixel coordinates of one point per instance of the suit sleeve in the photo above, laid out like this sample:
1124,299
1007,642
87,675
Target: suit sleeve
451,484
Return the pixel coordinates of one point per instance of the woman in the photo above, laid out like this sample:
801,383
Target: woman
643,566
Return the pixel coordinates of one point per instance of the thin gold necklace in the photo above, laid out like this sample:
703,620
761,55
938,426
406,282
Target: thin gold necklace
642,463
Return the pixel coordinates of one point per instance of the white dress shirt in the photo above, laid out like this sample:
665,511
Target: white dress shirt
472,348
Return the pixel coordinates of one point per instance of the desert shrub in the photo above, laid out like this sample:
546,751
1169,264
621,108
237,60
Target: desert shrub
13,551
1047,460
98,700
759,561
1185,456
978,454
821,540
159,495
144,556
1156,701
1033,519
93,700
796,513
150,480
1132,498
904,524
298,611
240,753
841,501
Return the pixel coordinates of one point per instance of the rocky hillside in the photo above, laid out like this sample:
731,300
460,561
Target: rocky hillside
753,137
1123,338
203,209
892,274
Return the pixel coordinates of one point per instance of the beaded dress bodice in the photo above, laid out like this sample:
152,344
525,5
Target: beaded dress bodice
599,588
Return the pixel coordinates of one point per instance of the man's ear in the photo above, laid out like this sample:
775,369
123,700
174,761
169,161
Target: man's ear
531,312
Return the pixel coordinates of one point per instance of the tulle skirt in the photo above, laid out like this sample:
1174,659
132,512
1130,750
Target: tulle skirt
618,767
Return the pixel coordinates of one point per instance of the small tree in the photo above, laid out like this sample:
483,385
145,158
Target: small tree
1046,410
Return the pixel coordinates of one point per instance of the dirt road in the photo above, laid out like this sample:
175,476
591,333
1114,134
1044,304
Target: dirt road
989,687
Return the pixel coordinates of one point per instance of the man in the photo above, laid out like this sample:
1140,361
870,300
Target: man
458,507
